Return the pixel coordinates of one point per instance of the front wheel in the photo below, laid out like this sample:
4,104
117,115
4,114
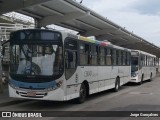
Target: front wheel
140,83
117,85
82,94
150,78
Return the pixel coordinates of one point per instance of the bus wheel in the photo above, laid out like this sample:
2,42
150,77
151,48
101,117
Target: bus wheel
117,85
150,78
140,83
82,94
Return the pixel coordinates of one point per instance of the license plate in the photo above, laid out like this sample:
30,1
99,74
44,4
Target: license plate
31,94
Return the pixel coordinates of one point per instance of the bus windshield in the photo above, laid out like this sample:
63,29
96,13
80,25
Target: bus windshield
36,59
134,64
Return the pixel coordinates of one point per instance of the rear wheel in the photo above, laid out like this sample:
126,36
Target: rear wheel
150,78
82,94
117,85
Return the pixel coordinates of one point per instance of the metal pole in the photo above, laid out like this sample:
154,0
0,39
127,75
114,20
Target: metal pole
37,23
1,85
158,65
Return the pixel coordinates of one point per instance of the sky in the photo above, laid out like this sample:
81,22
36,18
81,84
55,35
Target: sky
140,16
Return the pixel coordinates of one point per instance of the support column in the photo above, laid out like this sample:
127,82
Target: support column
37,23
158,65
1,85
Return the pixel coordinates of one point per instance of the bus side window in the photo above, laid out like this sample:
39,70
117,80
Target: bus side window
123,58
87,54
102,56
142,60
119,58
82,55
94,55
128,58
114,57
108,57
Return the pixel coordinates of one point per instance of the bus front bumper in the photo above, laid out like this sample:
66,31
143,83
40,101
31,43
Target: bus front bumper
54,95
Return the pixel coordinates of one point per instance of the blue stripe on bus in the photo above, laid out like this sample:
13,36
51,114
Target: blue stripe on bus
33,85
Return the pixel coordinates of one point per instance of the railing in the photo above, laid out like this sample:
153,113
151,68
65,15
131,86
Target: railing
19,18
6,29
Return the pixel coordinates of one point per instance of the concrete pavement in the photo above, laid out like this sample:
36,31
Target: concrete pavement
131,97
5,100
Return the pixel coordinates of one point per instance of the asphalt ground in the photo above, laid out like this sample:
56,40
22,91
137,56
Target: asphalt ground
131,97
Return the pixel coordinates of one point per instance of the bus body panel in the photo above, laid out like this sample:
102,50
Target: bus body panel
98,81
148,68
56,95
99,78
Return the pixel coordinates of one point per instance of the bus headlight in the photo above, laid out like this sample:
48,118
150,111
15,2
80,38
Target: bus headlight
134,74
58,84
13,86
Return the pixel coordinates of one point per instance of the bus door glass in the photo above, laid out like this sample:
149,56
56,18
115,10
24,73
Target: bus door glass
70,57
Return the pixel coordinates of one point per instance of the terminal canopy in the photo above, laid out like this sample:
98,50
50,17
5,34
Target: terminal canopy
72,15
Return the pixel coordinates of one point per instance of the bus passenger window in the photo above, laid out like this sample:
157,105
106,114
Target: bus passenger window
142,60
84,51
128,58
119,58
146,61
114,57
102,56
123,58
87,54
94,53
108,57
82,54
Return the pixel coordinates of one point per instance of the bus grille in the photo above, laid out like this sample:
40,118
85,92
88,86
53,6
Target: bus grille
37,95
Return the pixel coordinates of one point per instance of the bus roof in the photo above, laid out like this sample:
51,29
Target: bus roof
145,53
101,43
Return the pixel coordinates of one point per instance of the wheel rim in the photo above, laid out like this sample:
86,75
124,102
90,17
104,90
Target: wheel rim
117,87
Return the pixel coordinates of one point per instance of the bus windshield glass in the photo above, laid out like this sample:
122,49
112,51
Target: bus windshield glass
134,63
45,60
36,58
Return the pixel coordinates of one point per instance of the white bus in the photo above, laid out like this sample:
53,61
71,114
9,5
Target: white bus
59,66
143,66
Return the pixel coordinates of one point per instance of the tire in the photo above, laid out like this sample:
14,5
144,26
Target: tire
150,78
117,85
82,94
140,83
